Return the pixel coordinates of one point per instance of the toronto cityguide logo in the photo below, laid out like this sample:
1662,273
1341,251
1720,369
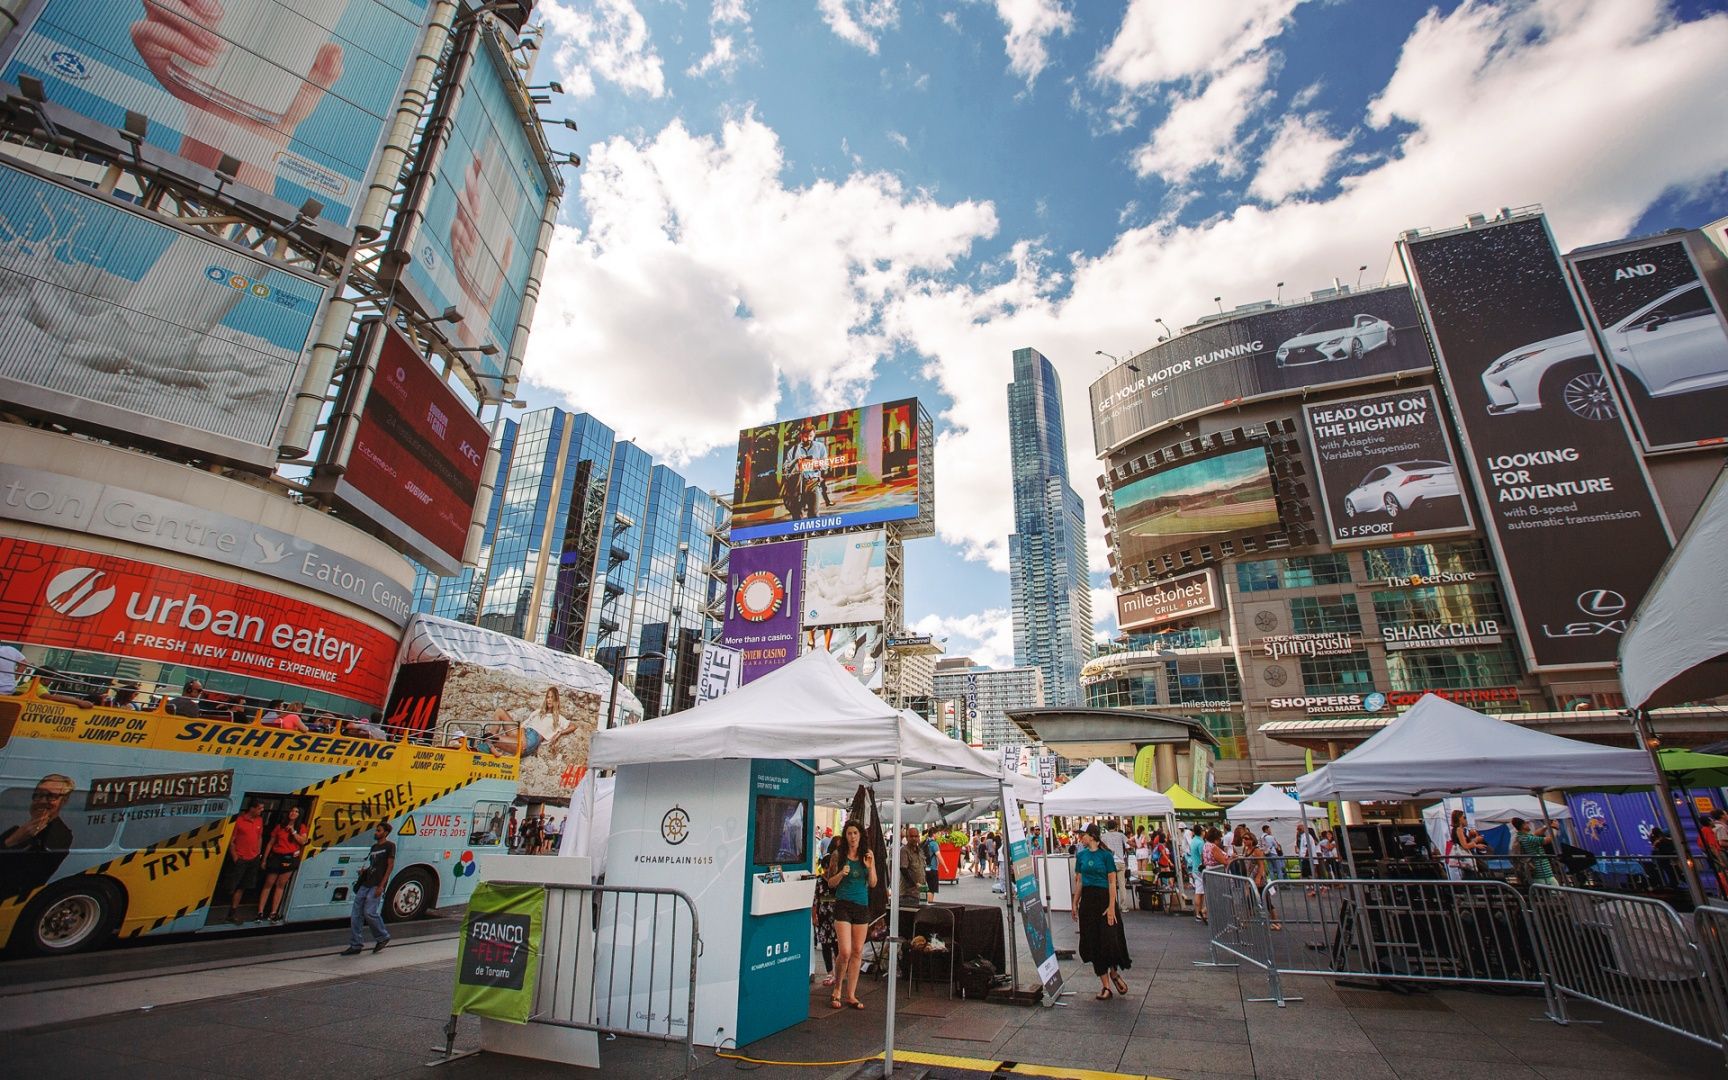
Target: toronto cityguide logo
675,826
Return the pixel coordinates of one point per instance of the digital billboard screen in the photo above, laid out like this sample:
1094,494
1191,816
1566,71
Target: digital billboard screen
113,316
1554,463
762,605
418,455
1386,468
1194,502
845,578
475,248
298,91
832,471
1663,332
1287,350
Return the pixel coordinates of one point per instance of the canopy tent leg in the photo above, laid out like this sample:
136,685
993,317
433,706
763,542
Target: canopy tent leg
1665,796
893,931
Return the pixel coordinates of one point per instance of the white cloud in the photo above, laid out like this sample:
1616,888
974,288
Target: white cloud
860,22
1299,158
607,40
899,140
1200,131
1161,42
987,637
702,286
1103,607
731,41
1030,22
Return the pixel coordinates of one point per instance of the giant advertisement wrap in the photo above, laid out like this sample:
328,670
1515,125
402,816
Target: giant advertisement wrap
63,598
298,91
1192,502
119,513
858,648
1178,598
112,316
1550,455
1386,468
476,245
1356,338
834,471
1663,335
845,579
417,456
762,606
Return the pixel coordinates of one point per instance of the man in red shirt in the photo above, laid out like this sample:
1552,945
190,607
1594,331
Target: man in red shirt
1714,857
245,852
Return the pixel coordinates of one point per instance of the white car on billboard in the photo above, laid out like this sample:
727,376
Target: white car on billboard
1393,489
1317,345
1672,345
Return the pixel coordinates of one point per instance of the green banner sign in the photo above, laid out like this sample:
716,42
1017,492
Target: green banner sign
500,952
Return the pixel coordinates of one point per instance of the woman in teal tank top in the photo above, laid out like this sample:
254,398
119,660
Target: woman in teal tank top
850,870
1101,938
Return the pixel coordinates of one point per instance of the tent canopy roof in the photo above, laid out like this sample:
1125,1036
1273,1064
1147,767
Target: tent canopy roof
1099,789
1441,748
1676,647
812,708
1497,809
1268,803
1188,802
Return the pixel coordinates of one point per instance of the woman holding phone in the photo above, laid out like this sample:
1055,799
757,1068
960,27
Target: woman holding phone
850,871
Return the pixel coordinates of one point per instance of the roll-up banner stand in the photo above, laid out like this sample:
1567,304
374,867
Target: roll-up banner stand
1551,454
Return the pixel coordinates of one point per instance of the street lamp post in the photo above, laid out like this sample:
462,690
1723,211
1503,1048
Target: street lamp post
617,674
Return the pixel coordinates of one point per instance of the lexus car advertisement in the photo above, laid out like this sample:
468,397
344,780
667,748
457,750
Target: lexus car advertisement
1551,478
1386,468
1361,336
1662,332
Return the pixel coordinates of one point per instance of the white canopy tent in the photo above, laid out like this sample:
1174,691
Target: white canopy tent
1441,748
1676,647
814,709
1269,805
1099,789
1491,810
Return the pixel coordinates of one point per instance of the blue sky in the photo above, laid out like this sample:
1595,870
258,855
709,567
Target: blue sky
790,207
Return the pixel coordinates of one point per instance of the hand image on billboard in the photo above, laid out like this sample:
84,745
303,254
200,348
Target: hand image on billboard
1395,488
479,278
249,110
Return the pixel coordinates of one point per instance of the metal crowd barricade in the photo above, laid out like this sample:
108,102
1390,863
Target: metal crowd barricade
1236,916
1634,955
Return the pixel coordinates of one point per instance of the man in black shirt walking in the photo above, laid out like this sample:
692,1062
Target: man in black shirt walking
369,892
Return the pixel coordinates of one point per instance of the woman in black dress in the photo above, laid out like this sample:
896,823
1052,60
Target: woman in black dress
1101,939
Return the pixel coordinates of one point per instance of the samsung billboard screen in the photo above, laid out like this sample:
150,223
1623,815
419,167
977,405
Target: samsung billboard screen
1287,350
1189,504
297,91
1560,478
1385,468
836,470
1661,329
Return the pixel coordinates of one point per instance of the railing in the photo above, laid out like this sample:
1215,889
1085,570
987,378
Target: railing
1634,955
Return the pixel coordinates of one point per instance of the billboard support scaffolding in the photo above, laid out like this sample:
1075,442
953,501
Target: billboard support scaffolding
409,109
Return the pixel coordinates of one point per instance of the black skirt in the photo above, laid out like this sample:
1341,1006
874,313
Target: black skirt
1104,945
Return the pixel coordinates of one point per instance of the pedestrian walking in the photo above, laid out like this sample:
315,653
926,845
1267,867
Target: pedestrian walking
1102,941
850,871
369,889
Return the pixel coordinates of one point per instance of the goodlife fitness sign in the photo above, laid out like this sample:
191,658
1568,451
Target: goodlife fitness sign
1190,594
69,599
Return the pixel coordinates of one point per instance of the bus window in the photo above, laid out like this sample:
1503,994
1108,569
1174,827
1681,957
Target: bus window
488,823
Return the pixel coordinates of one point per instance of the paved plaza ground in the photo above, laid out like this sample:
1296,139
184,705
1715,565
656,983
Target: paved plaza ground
373,1016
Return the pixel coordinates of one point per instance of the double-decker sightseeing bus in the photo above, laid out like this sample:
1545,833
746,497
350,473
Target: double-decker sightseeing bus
120,822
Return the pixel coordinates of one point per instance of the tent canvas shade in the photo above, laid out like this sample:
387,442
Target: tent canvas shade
1268,803
1675,648
1099,789
1189,803
1440,748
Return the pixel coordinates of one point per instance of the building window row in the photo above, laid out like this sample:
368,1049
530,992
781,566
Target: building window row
1454,669
1469,602
1325,614
1231,731
1423,560
1349,673
1299,572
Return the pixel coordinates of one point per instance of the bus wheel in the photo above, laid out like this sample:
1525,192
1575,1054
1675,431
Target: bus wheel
410,896
69,917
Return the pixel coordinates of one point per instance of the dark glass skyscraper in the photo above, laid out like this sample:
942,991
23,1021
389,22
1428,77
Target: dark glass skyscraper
1052,599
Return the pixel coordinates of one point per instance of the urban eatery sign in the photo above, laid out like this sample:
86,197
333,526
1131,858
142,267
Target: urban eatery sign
1441,635
1330,644
1189,594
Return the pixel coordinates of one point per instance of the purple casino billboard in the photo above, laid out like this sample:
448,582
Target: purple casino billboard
763,605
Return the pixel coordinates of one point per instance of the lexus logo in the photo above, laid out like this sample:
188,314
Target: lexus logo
79,593
1601,602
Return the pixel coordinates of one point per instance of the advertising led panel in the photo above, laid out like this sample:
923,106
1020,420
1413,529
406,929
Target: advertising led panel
114,317
762,605
476,245
1288,350
298,91
836,470
1191,503
1662,332
845,579
63,598
417,458
1386,468
1554,463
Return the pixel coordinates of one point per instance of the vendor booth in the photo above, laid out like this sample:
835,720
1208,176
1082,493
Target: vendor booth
1098,790
1189,805
717,802
1272,805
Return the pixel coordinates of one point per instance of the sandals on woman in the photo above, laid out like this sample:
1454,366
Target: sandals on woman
855,1003
1121,986
1103,995
834,1002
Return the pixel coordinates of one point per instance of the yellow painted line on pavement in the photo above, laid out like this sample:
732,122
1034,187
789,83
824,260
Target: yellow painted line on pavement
994,1066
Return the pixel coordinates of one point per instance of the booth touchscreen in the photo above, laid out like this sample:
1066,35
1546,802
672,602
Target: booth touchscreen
780,831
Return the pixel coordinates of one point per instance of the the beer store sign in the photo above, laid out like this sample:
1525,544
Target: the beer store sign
1441,635
1444,577
1371,702
1282,645
1190,594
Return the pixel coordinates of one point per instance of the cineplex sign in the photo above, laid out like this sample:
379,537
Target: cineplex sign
1190,594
